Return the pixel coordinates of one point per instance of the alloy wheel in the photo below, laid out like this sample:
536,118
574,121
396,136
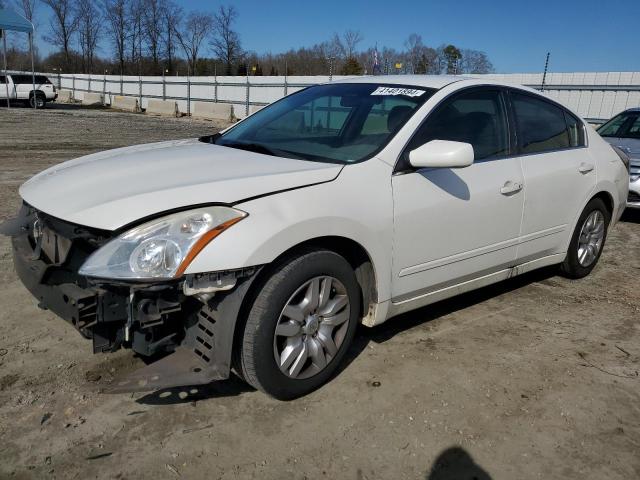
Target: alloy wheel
591,238
311,327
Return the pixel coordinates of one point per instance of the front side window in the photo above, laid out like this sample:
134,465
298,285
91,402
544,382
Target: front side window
340,123
477,117
541,125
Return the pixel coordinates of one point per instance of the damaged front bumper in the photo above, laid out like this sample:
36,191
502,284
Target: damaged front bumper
191,320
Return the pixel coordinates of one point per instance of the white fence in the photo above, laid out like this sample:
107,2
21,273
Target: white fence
595,96
242,92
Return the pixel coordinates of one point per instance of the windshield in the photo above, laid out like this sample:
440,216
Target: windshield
339,123
625,125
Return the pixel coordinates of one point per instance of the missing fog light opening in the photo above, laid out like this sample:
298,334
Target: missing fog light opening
213,282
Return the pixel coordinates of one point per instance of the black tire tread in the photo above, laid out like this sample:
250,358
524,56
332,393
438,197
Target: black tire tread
570,268
259,308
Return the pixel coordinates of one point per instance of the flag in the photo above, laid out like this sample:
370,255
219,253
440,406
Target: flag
376,62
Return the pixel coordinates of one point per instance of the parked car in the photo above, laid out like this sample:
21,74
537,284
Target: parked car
262,247
19,88
623,131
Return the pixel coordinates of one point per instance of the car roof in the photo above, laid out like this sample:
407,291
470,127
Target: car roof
431,81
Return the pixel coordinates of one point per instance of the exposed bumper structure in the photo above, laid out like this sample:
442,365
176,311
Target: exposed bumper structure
196,331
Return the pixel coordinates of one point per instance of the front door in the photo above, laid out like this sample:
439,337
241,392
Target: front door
451,225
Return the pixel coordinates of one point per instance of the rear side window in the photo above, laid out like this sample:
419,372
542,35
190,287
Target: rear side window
20,79
3,79
477,117
28,79
576,133
544,127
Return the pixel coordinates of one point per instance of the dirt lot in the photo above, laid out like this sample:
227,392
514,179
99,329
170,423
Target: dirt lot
536,377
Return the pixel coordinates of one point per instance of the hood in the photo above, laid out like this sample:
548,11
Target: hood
629,145
108,190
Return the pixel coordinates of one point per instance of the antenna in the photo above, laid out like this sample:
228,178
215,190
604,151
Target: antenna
544,75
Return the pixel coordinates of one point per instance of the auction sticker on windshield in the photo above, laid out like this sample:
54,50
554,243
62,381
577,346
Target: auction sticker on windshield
408,92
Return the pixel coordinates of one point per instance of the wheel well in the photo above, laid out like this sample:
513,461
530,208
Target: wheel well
607,199
37,92
350,250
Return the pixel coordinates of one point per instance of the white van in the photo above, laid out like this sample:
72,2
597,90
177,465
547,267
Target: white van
19,88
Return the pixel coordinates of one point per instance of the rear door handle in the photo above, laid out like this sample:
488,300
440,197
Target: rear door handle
510,187
586,167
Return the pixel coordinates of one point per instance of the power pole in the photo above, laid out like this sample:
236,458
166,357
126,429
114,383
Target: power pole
544,75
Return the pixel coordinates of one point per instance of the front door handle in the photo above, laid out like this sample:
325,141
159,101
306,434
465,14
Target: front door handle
510,187
586,167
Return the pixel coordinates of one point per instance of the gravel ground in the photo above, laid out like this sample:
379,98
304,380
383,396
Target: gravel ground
536,377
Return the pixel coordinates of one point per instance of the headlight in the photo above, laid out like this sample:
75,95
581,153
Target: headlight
162,248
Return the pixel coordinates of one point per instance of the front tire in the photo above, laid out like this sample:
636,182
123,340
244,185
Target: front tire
587,241
300,325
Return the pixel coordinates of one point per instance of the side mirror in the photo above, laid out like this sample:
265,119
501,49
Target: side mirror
442,154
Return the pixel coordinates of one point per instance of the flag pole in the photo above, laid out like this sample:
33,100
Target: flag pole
33,72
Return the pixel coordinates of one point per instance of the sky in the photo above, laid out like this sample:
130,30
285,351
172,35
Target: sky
582,35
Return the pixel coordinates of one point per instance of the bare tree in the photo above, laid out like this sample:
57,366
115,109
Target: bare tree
335,47
63,25
414,47
171,15
474,61
197,26
152,28
226,41
89,27
115,12
134,13
351,39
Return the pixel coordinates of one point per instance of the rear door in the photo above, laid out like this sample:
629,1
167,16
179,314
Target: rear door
559,173
6,87
451,225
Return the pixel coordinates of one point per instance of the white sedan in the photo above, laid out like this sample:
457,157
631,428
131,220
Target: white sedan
260,249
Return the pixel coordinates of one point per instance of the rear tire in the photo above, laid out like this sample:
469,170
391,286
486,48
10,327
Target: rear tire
587,241
294,339
40,100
